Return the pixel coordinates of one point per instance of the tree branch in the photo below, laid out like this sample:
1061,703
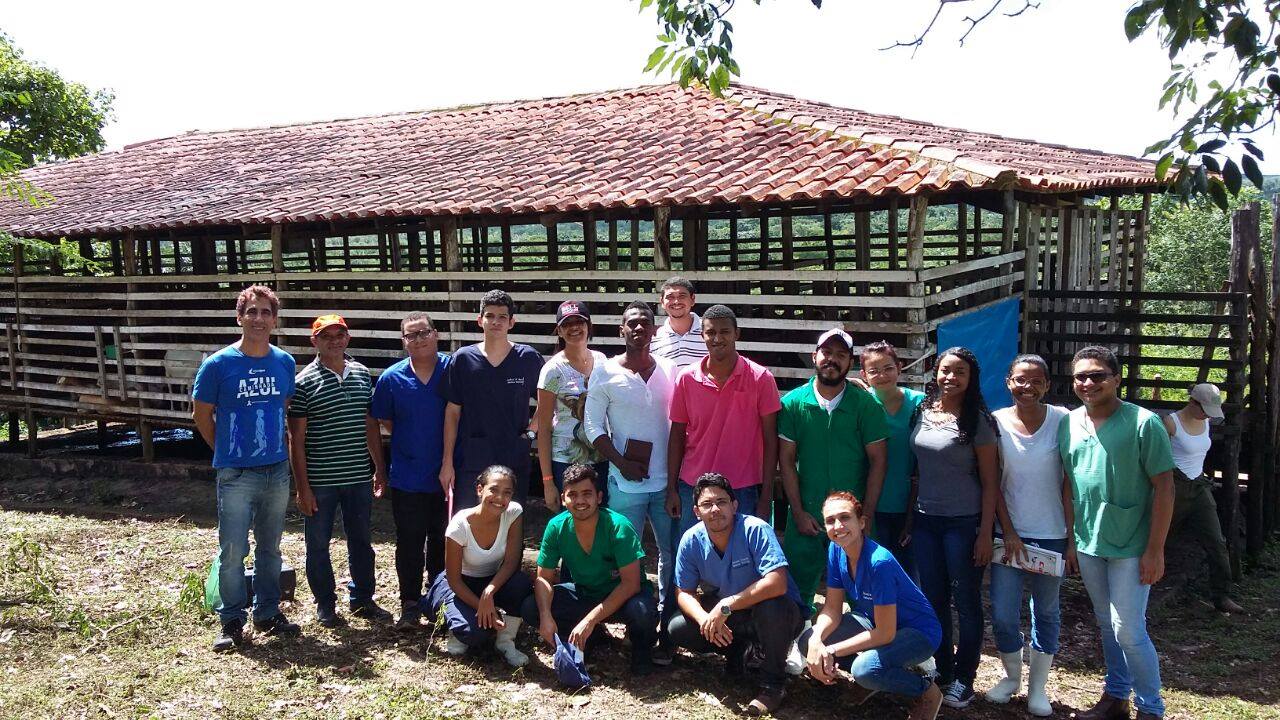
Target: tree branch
973,22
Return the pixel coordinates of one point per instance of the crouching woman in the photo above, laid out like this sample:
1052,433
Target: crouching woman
891,630
482,586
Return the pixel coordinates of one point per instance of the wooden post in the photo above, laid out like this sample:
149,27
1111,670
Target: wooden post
892,229
452,264
1273,377
1255,536
115,338
962,231
1243,222
145,439
15,428
662,238
589,244
103,438
102,361
1028,223
919,338
1008,227
33,433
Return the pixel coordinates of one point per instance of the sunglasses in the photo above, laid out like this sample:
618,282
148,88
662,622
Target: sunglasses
418,335
1097,377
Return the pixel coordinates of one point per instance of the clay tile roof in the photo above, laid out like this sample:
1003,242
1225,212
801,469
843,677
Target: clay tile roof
654,145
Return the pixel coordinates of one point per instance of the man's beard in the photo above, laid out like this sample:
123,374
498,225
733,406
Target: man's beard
830,382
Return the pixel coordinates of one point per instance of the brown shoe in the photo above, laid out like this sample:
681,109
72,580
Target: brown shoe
1227,605
1107,708
767,702
926,707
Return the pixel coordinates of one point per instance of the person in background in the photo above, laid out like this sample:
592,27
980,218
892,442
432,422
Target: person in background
954,441
239,398
334,447
1117,459
562,400
1194,510
679,338
482,589
1034,498
891,629
489,387
890,509
408,405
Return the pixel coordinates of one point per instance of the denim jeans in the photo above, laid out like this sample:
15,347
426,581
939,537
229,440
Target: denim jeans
888,668
635,507
773,624
1120,606
602,473
944,558
356,503
568,607
460,617
887,531
251,498
747,498
1007,584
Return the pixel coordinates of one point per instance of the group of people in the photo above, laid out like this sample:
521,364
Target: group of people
898,499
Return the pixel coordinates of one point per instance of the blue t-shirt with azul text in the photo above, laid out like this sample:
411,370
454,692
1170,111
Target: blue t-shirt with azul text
249,395
753,552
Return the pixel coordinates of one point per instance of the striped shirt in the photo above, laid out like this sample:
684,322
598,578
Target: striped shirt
683,350
335,408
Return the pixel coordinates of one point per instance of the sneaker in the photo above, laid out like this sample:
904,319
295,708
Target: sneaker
369,610
454,646
958,694
767,701
327,616
662,654
795,664
277,624
231,636
926,706
643,667
410,619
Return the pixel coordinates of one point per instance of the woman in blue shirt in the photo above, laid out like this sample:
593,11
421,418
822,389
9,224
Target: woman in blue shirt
892,628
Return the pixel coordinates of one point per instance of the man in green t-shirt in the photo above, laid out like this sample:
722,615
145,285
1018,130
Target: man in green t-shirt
602,552
833,438
1118,460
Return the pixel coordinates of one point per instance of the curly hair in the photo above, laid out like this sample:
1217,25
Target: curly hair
973,408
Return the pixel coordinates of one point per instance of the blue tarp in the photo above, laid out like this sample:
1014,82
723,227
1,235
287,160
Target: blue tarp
992,334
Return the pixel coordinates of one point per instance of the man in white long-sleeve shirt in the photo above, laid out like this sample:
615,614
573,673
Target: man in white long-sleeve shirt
626,420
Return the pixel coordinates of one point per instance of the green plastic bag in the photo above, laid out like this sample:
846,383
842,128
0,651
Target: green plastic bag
212,598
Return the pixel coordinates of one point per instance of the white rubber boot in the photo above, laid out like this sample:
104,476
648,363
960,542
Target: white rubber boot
1037,700
454,646
505,643
1004,690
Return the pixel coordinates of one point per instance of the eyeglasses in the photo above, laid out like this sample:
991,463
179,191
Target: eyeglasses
713,505
418,335
1025,383
1096,377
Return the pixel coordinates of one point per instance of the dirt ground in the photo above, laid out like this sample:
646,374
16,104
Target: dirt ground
98,618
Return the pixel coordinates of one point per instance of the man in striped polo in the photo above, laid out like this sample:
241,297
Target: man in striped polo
334,448
679,339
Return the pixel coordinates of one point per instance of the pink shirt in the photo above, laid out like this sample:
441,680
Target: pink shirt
723,433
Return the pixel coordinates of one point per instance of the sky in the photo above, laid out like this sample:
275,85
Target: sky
1061,73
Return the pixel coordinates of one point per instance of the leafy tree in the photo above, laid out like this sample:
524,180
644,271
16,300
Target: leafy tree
1202,37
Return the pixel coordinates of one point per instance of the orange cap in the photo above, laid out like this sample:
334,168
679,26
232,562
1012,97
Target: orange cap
325,321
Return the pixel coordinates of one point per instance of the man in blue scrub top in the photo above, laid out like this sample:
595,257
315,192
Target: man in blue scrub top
240,395
408,404
489,387
746,590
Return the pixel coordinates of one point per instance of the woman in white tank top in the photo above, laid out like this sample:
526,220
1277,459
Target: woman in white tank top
1189,439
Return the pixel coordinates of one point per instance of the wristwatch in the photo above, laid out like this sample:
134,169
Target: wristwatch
725,610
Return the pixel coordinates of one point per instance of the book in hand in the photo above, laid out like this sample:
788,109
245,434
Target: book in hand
1038,560
639,451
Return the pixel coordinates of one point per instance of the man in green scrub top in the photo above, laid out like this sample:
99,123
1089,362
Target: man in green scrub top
833,438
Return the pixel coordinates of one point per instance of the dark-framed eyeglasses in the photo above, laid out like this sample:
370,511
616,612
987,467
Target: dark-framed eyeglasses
417,335
1097,377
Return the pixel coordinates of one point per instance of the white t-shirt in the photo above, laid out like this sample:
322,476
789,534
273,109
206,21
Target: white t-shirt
477,561
1031,476
625,407
558,377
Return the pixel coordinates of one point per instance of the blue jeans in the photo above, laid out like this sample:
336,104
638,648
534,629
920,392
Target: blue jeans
1007,584
251,498
747,498
356,503
1120,606
602,472
569,607
460,617
944,558
635,507
888,668
887,531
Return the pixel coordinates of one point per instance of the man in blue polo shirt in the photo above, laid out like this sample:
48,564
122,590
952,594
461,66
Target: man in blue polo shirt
489,387
747,593
408,404
239,399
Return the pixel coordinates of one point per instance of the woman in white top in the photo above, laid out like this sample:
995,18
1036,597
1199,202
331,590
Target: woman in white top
482,586
1034,509
562,400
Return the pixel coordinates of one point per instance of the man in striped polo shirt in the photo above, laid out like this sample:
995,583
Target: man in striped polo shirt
679,339
334,447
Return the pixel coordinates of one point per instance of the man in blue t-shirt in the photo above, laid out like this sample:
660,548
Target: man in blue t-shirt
489,387
240,395
747,592
408,404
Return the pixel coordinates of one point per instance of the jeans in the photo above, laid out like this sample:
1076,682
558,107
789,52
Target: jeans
251,498
569,607
420,522
1007,584
944,558
772,623
602,475
1120,606
635,507
460,617
356,503
747,498
888,529
1196,514
888,668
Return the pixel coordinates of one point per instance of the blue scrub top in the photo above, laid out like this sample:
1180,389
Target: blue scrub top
416,412
753,552
880,580
495,406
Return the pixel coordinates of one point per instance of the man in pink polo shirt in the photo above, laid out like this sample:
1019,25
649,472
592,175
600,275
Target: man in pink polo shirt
724,419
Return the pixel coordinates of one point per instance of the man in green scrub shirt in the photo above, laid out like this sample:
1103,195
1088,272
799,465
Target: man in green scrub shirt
833,438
